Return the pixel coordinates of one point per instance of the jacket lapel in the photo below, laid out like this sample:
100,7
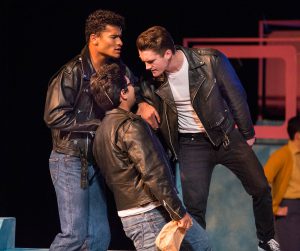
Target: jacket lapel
165,92
196,73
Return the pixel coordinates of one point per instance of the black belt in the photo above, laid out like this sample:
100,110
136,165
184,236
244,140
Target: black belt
199,135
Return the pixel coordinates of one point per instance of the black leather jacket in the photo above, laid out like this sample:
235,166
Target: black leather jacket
70,110
133,163
217,97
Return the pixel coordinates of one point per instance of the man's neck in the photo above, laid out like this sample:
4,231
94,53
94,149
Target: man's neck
97,59
176,62
125,106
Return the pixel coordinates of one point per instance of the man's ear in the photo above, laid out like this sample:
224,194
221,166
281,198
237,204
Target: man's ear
123,95
93,39
168,54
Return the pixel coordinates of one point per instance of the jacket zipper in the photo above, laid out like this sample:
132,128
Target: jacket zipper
170,210
169,131
91,109
200,119
211,89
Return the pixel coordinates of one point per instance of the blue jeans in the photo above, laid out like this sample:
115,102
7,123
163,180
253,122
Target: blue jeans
196,239
197,159
143,229
82,212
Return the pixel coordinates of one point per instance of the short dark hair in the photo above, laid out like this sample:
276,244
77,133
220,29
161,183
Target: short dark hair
99,19
156,38
293,126
107,83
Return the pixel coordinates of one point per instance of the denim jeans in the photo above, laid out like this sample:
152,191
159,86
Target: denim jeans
197,159
82,212
143,229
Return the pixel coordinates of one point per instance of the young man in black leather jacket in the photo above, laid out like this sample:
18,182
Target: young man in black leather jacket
135,167
199,101
73,118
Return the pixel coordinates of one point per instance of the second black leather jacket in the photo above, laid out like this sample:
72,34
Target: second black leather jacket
133,163
217,97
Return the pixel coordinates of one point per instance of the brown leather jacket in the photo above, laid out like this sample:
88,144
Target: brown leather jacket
134,164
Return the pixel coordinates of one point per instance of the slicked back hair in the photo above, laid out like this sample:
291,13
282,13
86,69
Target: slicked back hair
157,39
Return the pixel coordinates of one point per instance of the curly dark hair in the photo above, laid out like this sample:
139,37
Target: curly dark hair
97,21
107,83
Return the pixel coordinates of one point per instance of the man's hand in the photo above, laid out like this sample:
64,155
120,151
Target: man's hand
149,114
251,141
186,222
282,211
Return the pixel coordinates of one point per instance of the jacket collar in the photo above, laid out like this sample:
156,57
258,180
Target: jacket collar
119,110
165,92
196,77
192,57
87,66
196,72
88,69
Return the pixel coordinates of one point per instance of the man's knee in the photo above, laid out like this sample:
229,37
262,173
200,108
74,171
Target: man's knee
261,189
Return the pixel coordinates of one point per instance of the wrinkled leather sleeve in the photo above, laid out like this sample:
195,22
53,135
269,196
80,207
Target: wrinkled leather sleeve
146,93
235,95
146,152
63,92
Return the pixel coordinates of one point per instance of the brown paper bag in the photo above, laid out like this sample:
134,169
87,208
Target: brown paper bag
170,237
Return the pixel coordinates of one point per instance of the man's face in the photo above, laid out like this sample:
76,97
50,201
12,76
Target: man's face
108,43
130,92
154,62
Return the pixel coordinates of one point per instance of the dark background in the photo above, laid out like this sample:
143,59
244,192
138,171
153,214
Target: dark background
39,37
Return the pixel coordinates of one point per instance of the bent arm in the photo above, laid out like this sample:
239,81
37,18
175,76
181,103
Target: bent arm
235,96
148,104
149,158
60,107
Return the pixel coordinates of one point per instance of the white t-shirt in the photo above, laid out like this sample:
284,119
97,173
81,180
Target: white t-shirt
138,210
188,120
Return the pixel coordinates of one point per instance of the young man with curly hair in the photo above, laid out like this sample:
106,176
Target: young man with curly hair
135,166
73,117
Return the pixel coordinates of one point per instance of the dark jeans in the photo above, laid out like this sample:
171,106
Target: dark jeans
197,159
287,227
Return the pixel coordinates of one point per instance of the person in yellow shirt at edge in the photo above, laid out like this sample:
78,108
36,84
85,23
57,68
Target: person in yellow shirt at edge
283,173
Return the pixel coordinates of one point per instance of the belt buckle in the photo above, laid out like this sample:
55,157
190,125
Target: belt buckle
226,142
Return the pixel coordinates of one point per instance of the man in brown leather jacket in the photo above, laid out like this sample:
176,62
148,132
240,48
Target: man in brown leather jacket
135,167
199,101
73,117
